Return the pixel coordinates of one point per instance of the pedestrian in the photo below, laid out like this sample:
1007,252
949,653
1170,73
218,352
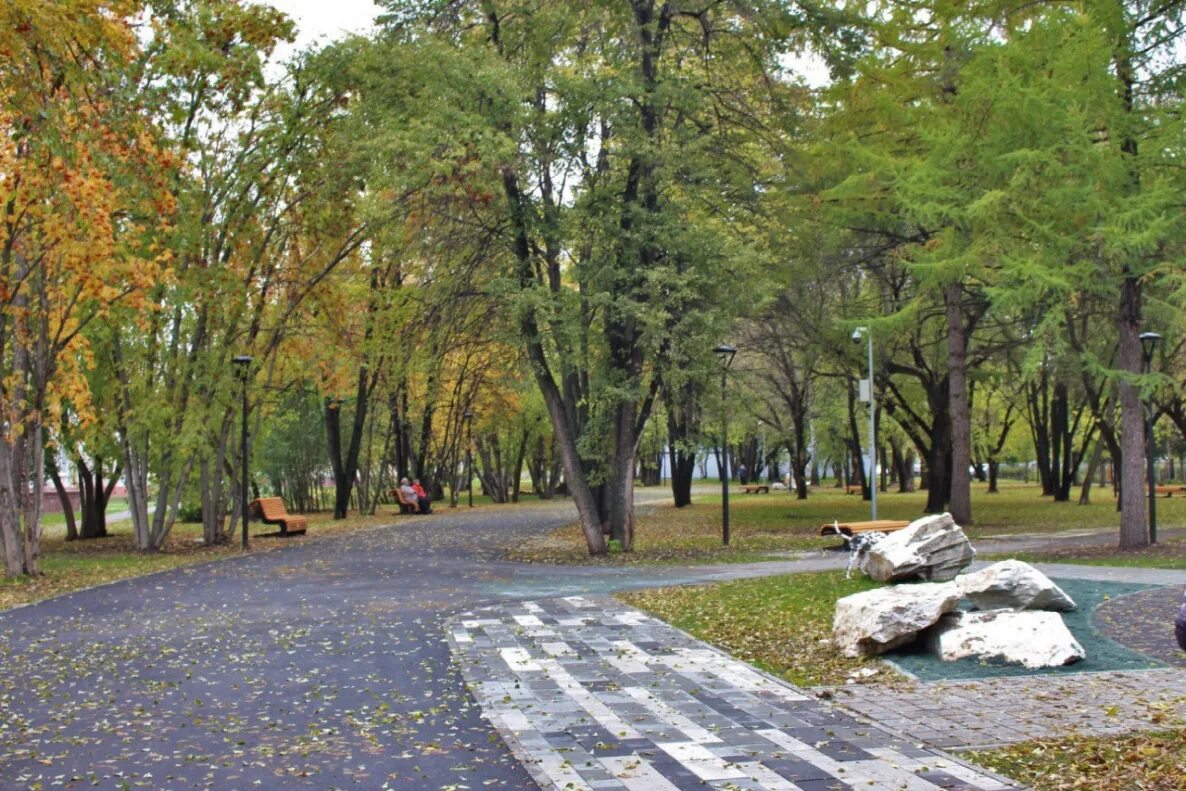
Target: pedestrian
743,474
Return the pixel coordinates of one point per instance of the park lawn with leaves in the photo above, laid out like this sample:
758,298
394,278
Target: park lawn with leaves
1148,760
765,524
68,566
1166,554
781,624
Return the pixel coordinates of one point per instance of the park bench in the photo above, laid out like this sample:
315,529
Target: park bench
849,529
270,511
755,488
1166,490
407,505
854,488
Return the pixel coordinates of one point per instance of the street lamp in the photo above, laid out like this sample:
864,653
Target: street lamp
1148,345
242,365
469,456
856,336
727,354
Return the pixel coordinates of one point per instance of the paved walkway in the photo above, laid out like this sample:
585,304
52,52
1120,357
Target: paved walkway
591,694
984,713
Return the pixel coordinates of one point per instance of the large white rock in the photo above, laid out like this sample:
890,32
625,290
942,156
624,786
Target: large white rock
876,621
1033,639
1013,585
933,548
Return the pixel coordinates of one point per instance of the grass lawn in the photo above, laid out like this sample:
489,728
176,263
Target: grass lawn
780,624
767,523
1113,763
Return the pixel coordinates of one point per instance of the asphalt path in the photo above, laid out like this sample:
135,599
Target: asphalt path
322,665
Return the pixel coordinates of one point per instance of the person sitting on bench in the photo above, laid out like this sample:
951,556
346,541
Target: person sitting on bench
422,496
410,494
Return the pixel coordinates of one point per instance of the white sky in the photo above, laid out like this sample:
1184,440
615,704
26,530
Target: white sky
328,20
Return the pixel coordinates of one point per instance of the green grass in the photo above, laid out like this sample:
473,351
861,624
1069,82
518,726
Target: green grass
781,624
1155,761
763,524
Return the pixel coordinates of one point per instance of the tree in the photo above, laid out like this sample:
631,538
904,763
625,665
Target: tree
593,190
81,175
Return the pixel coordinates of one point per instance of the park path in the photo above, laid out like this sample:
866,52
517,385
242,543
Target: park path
324,665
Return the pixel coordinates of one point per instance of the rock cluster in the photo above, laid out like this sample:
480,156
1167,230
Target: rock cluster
932,549
1017,618
1013,585
1033,639
877,621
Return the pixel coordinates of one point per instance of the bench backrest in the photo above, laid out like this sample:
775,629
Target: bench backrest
272,507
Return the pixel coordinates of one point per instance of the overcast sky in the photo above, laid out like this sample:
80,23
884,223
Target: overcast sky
327,20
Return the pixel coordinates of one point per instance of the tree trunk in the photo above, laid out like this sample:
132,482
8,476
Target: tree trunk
960,498
64,498
1085,491
1134,528
93,496
682,428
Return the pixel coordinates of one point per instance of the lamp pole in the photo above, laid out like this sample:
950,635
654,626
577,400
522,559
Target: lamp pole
469,454
1148,344
727,353
242,368
872,422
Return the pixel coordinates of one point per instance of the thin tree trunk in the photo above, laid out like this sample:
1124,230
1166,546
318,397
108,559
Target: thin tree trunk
960,502
1134,528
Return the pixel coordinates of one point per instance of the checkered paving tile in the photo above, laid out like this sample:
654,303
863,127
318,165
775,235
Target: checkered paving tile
591,694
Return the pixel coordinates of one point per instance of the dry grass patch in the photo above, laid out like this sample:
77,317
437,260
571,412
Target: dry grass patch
765,524
781,624
1154,761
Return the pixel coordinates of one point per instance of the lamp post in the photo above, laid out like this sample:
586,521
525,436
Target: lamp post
856,336
469,455
242,369
1148,345
727,353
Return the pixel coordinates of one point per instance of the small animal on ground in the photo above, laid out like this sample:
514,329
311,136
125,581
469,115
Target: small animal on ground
859,546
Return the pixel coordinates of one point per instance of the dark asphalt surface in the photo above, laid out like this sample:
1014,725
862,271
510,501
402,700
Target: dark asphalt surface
322,665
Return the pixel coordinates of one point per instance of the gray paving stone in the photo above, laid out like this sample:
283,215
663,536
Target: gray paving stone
642,706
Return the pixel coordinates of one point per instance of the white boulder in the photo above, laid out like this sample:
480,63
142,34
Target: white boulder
1013,585
933,548
876,621
1033,639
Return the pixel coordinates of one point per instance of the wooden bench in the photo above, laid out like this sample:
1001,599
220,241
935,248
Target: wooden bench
270,511
406,505
849,529
755,488
1167,490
